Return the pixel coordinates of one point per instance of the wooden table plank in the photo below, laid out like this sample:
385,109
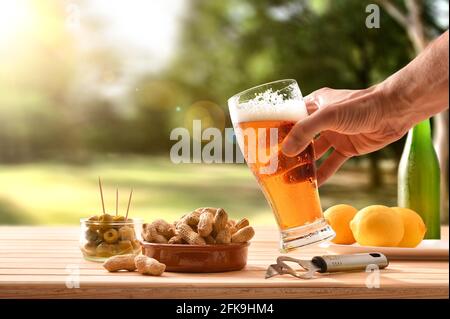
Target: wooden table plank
36,262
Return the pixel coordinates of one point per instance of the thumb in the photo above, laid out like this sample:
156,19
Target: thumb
305,130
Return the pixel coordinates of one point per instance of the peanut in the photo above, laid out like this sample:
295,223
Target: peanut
243,235
164,228
210,240
212,210
148,266
145,232
151,235
220,220
242,223
205,224
231,222
177,239
224,236
191,237
190,219
233,230
120,262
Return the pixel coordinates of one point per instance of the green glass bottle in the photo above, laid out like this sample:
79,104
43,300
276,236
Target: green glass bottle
419,178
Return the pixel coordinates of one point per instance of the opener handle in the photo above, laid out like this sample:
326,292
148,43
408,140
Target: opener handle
335,263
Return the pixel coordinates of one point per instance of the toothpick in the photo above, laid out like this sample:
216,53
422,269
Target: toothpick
101,194
129,202
117,201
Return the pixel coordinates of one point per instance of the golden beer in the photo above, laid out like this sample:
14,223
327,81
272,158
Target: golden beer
291,190
262,117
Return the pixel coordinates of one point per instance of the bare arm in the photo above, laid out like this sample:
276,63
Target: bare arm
420,89
355,122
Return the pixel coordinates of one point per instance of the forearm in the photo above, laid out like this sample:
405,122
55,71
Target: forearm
420,89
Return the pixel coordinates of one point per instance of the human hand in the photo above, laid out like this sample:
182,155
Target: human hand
352,122
356,122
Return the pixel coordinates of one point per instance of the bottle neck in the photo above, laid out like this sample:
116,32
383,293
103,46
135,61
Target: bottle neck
421,132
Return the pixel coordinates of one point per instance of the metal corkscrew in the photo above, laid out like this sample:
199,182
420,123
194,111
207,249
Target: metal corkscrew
326,264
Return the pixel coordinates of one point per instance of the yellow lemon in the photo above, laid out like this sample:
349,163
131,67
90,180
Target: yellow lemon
377,225
339,217
414,226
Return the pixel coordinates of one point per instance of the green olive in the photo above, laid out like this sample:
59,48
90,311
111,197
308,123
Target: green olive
100,233
91,235
105,221
105,218
93,219
105,250
118,219
127,233
89,249
111,236
116,249
125,247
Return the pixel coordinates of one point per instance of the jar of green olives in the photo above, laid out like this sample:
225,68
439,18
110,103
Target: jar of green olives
107,235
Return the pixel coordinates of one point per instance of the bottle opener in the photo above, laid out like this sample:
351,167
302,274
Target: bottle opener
326,264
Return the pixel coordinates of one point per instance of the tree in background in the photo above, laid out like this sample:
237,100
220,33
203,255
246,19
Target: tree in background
231,45
36,71
52,103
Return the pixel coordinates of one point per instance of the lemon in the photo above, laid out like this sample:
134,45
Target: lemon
339,217
377,225
414,226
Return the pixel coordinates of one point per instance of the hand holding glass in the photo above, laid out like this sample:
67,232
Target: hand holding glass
262,117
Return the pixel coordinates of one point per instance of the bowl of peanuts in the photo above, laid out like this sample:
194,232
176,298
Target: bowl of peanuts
204,240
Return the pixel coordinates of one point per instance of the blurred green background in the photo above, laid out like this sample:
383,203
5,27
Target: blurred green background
93,88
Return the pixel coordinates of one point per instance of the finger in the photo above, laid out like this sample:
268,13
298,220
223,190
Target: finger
321,146
330,166
311,104
304,131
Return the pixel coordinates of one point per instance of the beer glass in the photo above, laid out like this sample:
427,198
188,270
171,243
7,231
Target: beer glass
262,117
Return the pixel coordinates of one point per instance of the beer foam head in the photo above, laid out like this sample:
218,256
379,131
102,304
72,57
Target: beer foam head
268,106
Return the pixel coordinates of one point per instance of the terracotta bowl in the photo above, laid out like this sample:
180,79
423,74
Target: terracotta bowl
198,258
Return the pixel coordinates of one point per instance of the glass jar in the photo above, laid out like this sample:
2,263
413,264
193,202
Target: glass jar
101,238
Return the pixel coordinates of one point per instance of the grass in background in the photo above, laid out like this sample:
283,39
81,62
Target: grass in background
54,194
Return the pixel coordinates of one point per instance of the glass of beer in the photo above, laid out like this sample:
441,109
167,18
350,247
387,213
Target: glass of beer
262,117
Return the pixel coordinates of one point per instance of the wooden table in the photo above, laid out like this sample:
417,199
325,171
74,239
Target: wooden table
37,262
